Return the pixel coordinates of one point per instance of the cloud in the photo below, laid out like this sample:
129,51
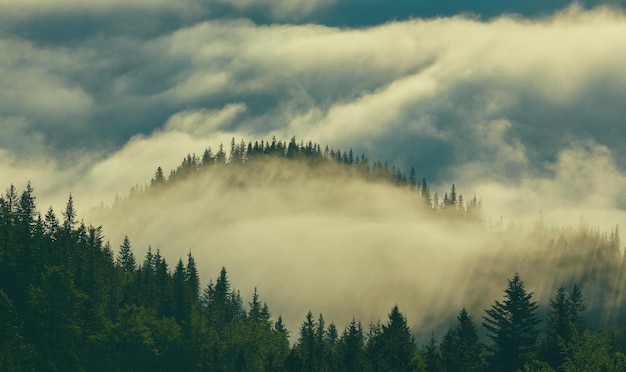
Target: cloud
203,123
503,96
35,81
585,182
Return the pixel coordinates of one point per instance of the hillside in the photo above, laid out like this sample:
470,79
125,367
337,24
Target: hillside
308,230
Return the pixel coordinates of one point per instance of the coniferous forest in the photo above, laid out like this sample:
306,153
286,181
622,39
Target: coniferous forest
70,300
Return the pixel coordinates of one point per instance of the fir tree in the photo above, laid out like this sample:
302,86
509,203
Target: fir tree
512,327
461,349
398,347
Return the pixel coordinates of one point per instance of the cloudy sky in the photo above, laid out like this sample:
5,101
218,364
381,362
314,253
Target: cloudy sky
521,103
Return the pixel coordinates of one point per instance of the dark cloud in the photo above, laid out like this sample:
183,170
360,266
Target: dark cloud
362,13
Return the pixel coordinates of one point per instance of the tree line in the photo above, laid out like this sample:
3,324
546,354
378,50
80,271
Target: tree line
68,302
243,156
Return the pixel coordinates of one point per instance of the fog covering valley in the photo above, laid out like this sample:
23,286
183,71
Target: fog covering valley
313,233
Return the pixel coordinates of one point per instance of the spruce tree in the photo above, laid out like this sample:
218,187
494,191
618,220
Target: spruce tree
558,328
125,258
432,357
512,327
351,353
398,347
461,349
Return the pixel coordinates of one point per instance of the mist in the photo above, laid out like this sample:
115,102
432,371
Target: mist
322,238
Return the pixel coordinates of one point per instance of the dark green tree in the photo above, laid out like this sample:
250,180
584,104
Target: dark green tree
461,349
431,355
577,306
125,258
55,327
351,352
565,318
15,353
127,267
305,350
399,352
512,327
558,328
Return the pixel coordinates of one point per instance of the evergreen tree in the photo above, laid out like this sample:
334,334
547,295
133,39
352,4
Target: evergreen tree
15,353
54,327
398,347
127,266
558,328
351,353
192,281
306,347
373,347
512,328
432,357
461,349
69,221
577,306
125,258
565,318
159,178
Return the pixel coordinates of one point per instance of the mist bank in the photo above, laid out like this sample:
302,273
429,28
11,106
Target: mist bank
321,237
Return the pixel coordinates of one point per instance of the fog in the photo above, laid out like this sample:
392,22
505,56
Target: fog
334,245
324,239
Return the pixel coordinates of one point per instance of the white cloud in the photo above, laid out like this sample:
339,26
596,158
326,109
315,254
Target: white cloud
34,82
204,123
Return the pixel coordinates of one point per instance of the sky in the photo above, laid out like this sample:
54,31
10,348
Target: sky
519,103
510,101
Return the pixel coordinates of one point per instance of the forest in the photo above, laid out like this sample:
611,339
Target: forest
70,300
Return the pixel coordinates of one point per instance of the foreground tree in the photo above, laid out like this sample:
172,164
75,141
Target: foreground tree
399,352
565,319
460,349
512,327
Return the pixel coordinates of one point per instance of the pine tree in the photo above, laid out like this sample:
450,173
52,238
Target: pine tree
125,258
69,221
512,328
565,320
306,347
558,327
577,307
127,267
159,178
398,347
56,304
373,348
412,177
351,353
432,357
15,353
461,349
192,281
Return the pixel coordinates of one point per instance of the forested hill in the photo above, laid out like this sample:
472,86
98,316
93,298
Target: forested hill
247,160
321,235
